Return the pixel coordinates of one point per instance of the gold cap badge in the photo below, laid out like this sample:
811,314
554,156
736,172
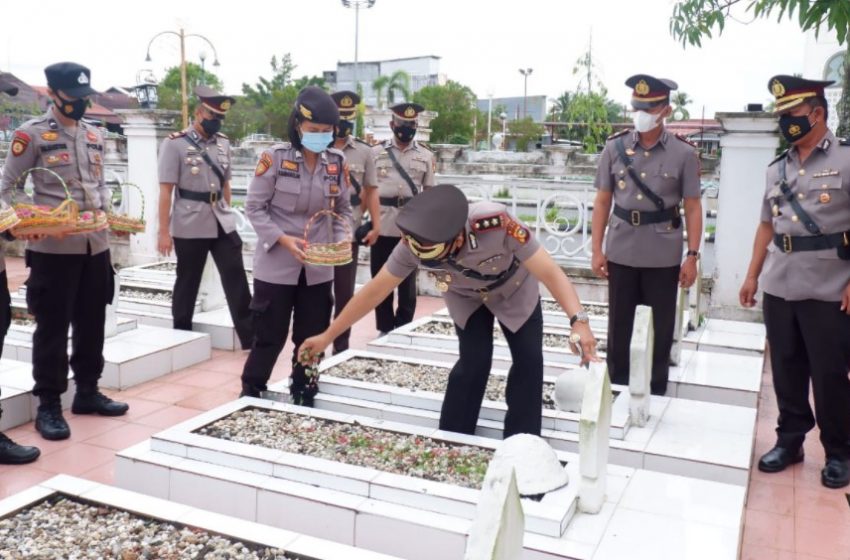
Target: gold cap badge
410,112
777,88
642,88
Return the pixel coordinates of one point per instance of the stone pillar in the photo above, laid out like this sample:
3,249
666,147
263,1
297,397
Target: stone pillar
749,144
499,525
640,366
111,326
145,129
594,429
679,328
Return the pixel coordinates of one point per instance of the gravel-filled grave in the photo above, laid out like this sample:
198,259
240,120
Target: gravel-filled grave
591,309
62,527
419,377
355,444
172,267
23,318
550,339
161,296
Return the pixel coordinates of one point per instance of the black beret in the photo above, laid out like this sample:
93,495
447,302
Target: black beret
213,100
649,91
791,91
70,78
315,105
436,215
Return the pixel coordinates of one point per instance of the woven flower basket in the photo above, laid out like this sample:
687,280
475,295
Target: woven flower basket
328,254
37,219
125,223
8,218
89,221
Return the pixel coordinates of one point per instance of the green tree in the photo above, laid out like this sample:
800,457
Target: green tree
456,111
397,82
525,131
273,98
169,86
680,101
588,119
694,20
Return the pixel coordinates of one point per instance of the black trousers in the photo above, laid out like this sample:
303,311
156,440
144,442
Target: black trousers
810,341
226,251
273,306
344,279
5,312
385,318
63,291
629,287
468,378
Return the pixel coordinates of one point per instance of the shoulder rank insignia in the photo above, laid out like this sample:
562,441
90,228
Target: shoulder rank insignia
50,136
517,230
178,134
263,165
618,134
685,140
20,143
780,156
289,165
488,223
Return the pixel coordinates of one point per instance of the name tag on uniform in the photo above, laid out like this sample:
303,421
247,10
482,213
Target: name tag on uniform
826,173
289,165
286,173
52,147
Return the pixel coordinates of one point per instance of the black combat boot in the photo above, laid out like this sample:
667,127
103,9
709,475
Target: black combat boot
13,454
49,421
92,401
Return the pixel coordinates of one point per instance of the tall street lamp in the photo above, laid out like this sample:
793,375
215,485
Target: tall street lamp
182,35
357,4
526,72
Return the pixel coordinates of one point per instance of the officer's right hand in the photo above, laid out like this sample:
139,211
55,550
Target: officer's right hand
165,243
747,295
294,245
599,264
311,348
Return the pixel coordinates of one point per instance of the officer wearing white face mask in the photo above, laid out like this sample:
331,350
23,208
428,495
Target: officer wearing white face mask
645,174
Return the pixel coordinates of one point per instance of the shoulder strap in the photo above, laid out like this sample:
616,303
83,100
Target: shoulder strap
810,224
354,183
656,200
207,159
401,171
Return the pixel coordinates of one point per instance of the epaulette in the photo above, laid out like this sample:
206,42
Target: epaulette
177,134
223,135
780,156
365,143
844,141
618,134
425,145
685,140
336,152
281,146
487,223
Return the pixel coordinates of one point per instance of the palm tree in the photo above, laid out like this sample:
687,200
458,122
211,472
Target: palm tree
397,82
680,101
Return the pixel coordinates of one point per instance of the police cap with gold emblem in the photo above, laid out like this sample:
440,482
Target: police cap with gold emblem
649,91
6,86
407,111
315,105
216,102
347,102
70,78
791,91
436,215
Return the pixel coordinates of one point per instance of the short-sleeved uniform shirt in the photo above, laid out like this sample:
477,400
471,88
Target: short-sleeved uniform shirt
361,167
493,239
671,169
417,160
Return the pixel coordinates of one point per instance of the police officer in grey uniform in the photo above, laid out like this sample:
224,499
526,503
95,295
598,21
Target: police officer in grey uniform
71,278
364,195
11,453
802,252
294,181
489,267
405,168
646,173
194,212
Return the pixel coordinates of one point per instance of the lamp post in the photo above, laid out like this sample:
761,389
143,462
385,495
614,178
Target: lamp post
182,35
357,4
503,116
526,72
489,117
203,56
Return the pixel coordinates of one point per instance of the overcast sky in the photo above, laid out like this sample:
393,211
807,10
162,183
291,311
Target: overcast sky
482,43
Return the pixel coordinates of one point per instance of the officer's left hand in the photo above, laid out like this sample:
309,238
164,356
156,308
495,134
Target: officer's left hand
371,237
688,272
587,341
845,300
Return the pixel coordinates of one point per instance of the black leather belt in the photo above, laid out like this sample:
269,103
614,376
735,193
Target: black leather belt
641,217
210,197
795,244
397,201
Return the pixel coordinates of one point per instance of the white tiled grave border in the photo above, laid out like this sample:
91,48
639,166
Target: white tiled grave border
306,547
16,398
549,517
704,440
730,337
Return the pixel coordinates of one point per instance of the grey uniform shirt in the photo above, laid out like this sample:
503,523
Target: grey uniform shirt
181,164
361,166
671,169
417,160
487,250
282,197
75,155
822,187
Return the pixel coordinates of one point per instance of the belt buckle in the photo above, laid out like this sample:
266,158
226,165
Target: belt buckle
213,197
786,243
635,217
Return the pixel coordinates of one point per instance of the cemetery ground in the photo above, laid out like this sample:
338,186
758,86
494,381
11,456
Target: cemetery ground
788,515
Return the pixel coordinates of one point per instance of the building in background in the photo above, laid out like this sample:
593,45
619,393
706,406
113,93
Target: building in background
823,59
423,71
513,107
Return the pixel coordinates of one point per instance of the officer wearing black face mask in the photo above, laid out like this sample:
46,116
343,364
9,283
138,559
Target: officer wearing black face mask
802,253
195,217
404,169
71,278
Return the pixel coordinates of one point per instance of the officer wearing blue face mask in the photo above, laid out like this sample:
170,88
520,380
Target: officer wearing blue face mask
292,182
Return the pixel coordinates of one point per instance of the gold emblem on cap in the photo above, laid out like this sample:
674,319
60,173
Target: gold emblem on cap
225,105
642,88
307,113
346,102
410,112
777,88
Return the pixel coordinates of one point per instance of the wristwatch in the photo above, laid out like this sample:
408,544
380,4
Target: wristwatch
580,317
692,253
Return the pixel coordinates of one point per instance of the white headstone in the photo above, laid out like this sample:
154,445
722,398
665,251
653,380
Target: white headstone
697,301
594,426
499,525
211,290
640,366
679,327
569,389
111,325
